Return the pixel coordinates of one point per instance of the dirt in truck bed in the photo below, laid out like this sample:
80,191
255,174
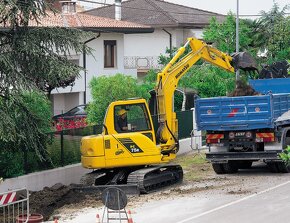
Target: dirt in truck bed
243,89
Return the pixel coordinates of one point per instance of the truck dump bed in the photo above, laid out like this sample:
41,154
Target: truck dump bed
244,112
234,113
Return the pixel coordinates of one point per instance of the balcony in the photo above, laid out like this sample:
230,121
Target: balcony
141,63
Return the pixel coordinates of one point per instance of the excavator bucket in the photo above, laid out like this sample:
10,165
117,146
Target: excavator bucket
244,61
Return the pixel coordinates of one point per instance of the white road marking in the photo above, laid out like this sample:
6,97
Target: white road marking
232,203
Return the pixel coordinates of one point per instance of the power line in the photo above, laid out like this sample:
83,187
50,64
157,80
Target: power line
173,12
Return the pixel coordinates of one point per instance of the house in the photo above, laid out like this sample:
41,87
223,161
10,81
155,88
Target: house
108,51
172,24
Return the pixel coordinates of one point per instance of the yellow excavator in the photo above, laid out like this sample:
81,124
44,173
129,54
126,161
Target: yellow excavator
126,152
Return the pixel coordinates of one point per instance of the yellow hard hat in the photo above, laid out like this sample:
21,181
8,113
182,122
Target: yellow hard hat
122,112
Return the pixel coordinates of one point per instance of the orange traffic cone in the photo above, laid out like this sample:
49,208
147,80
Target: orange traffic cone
130,220
98,218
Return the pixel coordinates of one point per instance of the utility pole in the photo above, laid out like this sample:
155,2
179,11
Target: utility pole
237,38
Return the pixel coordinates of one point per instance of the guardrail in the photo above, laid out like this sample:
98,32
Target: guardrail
14,206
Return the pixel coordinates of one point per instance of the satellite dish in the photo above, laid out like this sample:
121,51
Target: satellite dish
114,198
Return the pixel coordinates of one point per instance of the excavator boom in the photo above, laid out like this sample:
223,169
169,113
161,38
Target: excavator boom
168,78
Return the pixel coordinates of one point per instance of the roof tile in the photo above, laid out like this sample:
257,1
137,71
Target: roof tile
158,13
79,20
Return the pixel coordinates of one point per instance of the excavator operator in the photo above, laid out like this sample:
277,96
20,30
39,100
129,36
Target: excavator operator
122,120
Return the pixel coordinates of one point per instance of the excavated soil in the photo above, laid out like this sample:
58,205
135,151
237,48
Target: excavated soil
50,199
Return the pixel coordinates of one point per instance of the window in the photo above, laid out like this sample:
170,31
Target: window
110,47
133,117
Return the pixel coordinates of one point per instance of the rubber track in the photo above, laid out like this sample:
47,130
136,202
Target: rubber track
153,178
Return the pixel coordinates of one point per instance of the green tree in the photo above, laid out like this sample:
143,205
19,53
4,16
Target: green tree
223,35
31,59
272,33
26,113
106,89
208,80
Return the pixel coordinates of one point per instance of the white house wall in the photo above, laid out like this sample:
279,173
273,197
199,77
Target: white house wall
95,63
128,45
64,98
64,102
154,44
197,33
151,44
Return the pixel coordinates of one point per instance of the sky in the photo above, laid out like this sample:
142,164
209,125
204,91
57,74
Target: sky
246,7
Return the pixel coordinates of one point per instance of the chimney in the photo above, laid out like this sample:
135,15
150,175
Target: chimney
68,7
118,11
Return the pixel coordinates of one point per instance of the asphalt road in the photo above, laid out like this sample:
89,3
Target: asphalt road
267,202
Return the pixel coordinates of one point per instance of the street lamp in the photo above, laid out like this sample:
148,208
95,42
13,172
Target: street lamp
237,38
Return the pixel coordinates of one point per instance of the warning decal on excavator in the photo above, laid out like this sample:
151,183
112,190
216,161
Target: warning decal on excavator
130,145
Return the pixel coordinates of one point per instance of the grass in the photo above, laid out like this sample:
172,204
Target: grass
195,167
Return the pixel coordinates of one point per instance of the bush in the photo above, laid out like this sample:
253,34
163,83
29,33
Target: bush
106,89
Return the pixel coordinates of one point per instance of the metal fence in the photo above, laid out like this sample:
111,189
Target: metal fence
185,123
14,206
64,146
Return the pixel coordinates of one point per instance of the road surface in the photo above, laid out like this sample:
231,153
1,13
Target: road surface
267,202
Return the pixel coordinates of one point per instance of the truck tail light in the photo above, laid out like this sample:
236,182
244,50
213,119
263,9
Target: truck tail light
265,137
214,138
210,141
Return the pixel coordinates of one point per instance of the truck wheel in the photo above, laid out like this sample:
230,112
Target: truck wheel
230,167
273,167
283,167
218,168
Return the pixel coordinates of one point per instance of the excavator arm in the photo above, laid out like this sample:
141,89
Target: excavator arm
169,77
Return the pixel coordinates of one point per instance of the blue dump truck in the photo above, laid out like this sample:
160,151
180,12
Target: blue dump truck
244,129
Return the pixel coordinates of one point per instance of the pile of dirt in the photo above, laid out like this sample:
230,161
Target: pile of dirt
243,89
49,199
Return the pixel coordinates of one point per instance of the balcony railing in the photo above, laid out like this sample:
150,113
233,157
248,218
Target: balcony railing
138,62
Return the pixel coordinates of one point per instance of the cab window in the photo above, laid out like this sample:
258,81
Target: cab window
131,118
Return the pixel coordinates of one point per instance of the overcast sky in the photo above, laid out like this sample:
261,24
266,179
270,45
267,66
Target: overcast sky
246,7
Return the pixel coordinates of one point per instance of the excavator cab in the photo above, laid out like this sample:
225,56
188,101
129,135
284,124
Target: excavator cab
128,138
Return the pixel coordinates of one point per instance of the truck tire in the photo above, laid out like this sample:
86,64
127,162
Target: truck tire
273,167
283,167
218,168
230,167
